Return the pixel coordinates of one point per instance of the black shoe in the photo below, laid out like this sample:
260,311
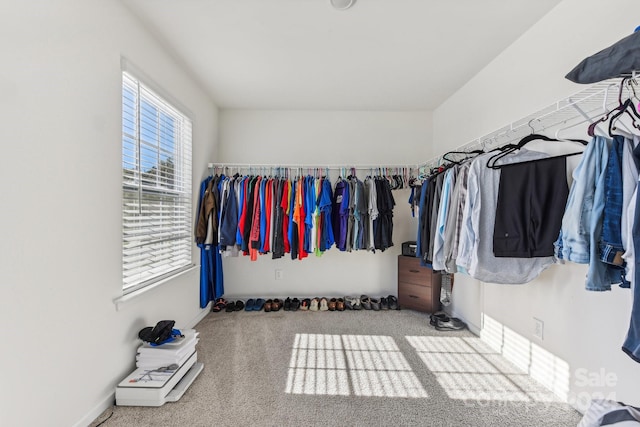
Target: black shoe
384,304
393,303
239,305
451,324
287,304
366,302
295,304
438,316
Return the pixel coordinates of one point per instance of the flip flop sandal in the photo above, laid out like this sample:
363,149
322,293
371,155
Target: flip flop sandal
219,305
393,303
324,306
332,304
258,305
251,304
340,304
268,305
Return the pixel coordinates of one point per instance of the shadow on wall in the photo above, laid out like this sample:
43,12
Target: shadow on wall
549,370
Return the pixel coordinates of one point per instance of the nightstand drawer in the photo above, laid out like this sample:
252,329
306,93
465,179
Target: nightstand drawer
414,296
417,275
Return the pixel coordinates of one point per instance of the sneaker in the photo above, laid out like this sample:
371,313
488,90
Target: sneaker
324,304
304,304
295,304
314,304
287,304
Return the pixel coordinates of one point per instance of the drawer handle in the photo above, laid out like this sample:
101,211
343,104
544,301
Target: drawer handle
414,271
413,296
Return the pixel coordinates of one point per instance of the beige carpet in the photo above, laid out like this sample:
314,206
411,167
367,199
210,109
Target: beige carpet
359,368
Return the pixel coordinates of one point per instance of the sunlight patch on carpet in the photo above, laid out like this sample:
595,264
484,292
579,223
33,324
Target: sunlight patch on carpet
468,369
343,365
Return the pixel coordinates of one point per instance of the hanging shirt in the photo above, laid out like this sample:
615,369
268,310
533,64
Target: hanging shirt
373,210
454,218
443,210
284,204
325,205
309,207
340,213
229,217
207,224
240,188
254,237
476,239
293,225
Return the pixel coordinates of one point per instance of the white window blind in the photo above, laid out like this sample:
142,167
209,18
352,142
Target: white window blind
156,187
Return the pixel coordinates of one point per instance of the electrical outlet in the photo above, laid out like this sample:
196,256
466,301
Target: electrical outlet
538,328
278,274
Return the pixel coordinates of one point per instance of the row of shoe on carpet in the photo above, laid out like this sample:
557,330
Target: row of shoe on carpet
363,302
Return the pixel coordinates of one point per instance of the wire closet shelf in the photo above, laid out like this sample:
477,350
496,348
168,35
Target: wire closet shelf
585,106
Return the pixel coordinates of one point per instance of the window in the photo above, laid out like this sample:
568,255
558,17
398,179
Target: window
156,187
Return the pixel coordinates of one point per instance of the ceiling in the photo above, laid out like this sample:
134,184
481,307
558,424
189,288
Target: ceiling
304,54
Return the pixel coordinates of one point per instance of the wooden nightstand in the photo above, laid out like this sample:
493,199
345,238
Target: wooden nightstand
418,286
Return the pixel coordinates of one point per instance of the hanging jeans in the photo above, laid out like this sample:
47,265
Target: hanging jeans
631,345
582,221
611,249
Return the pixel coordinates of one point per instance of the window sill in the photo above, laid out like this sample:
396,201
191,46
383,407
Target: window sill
123,300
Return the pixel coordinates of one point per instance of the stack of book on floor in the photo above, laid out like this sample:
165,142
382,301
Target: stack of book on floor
175,352
163,373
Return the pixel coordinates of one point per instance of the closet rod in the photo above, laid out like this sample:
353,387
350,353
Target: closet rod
588,103
307,166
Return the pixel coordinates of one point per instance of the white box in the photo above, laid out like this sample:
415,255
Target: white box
151,388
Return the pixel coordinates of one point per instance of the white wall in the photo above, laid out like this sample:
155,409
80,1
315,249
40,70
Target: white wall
322,138
65,346
583,329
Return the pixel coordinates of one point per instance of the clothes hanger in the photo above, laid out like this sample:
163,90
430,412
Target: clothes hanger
457,162
491,163
592,127
629,109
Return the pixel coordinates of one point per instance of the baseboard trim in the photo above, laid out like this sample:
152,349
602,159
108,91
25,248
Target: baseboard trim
91,416
203,313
